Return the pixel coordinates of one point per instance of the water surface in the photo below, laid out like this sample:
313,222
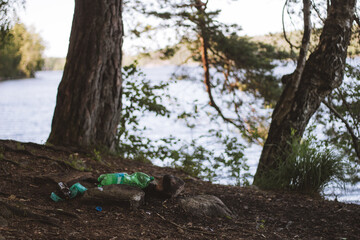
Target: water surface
27,106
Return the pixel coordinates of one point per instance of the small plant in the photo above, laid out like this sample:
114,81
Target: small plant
75,162
19,146
97,155
308,167
260,224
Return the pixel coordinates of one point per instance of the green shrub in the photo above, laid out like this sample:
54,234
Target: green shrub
76,163
140,97
308,167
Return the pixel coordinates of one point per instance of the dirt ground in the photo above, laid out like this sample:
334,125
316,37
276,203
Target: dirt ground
28,174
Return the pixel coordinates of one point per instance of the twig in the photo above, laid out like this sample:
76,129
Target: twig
317,11
346,104
163,204
284,28
348,127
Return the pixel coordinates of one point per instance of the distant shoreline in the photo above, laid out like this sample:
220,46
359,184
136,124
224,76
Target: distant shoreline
2,79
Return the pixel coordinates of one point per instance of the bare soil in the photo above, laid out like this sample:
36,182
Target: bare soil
29,173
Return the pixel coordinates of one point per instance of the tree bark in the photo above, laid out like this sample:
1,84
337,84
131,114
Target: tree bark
322,73
88,107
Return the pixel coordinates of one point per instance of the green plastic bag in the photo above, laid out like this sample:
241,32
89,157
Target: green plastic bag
137,179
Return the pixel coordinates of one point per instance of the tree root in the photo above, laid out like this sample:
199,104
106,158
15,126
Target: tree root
9,161
26,152
9,209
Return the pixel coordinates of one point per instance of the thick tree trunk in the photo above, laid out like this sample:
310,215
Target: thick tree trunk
322,73
88,107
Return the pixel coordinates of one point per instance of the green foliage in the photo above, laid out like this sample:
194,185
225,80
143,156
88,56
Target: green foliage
247,66
21,53
308,167
97,155
143,98
138,98
240,67
8,9
76,163
203,161
19,146
10,58
341,123
168,52
240,59
232,157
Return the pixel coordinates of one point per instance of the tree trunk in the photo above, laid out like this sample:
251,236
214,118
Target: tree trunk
322,73
88,107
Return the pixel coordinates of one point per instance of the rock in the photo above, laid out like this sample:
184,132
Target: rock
205,205
116,194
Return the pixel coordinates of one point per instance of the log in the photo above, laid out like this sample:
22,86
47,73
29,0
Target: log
116,194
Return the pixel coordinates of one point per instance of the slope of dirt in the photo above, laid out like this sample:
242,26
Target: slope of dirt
29,173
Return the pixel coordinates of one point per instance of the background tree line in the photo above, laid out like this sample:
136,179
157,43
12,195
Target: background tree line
21,53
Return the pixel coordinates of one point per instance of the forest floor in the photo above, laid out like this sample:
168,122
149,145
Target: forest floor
29,173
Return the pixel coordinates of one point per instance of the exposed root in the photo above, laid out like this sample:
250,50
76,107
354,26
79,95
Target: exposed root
23,211
9,161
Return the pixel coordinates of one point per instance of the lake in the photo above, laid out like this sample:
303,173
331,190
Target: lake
27,106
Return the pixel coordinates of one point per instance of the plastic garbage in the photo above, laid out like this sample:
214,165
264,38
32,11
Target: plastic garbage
64,189
55,197
68,193
77,189
137,179
98,208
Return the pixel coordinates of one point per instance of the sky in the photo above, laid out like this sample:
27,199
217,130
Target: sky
52,19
